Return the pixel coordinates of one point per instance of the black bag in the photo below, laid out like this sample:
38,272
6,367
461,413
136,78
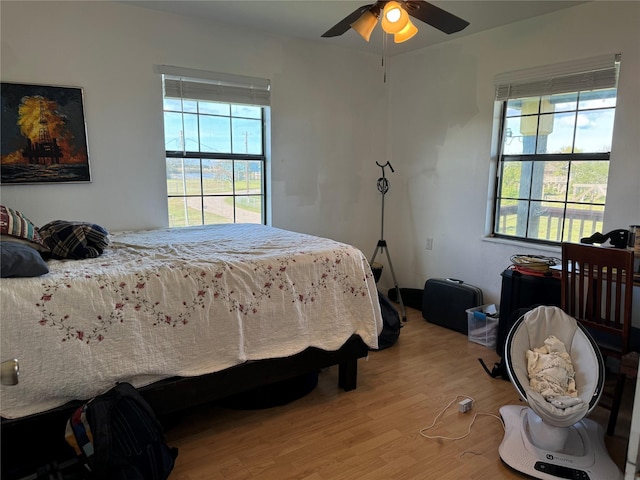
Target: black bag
521,290
390,323
520,293
118,436
411,297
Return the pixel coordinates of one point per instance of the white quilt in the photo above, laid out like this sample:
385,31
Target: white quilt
181,302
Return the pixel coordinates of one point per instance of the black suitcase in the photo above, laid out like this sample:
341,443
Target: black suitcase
445,301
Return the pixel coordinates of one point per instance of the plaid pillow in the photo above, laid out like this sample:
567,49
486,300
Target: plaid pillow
74,240
16,227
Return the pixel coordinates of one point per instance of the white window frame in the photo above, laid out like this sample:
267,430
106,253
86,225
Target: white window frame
584,75
236,91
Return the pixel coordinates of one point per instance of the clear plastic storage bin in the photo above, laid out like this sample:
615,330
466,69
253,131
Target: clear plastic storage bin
483,325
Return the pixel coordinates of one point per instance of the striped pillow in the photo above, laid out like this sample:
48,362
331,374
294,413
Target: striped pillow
16,227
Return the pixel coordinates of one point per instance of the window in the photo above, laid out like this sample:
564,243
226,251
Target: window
215,134
555,144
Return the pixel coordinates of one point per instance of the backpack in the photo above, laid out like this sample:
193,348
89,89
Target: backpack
118,437
390,323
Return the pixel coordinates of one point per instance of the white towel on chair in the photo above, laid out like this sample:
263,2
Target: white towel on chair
551,373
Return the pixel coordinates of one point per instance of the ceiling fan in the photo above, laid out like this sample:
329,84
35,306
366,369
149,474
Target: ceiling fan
395,19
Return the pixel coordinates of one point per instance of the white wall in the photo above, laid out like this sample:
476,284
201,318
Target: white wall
330,124
441,117
323,157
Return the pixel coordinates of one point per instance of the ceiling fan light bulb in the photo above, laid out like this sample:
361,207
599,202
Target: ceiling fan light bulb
365,25
406,33
394,17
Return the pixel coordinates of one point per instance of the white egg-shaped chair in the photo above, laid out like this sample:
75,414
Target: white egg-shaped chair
542,440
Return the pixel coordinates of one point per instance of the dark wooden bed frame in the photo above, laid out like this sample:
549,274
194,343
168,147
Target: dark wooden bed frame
37,441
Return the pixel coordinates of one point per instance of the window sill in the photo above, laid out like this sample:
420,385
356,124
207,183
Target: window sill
526,246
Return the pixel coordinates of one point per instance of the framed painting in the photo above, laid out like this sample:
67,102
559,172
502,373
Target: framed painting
43,135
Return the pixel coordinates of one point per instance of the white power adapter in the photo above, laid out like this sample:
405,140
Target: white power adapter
465,405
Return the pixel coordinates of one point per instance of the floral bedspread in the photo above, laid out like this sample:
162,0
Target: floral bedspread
185,302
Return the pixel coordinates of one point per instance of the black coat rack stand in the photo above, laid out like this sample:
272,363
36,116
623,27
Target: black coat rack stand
383,188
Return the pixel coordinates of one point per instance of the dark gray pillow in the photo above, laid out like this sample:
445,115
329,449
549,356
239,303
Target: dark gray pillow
20,260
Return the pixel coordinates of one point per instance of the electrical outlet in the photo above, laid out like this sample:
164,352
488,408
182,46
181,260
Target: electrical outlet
429,244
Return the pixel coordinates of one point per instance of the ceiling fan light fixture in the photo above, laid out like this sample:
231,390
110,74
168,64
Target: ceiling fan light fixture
365,24
406,33
394,17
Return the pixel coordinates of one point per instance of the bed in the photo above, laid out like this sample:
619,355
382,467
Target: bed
185,315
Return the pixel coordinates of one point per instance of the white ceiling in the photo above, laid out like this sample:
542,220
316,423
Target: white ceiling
309,19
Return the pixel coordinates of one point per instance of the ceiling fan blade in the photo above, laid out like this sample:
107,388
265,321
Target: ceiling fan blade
345,24
435,16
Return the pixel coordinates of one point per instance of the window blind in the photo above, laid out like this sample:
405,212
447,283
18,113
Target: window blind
214,86
585,74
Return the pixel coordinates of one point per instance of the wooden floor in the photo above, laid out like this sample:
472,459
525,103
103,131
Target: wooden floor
372,432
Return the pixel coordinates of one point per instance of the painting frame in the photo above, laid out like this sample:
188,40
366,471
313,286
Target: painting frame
43,137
